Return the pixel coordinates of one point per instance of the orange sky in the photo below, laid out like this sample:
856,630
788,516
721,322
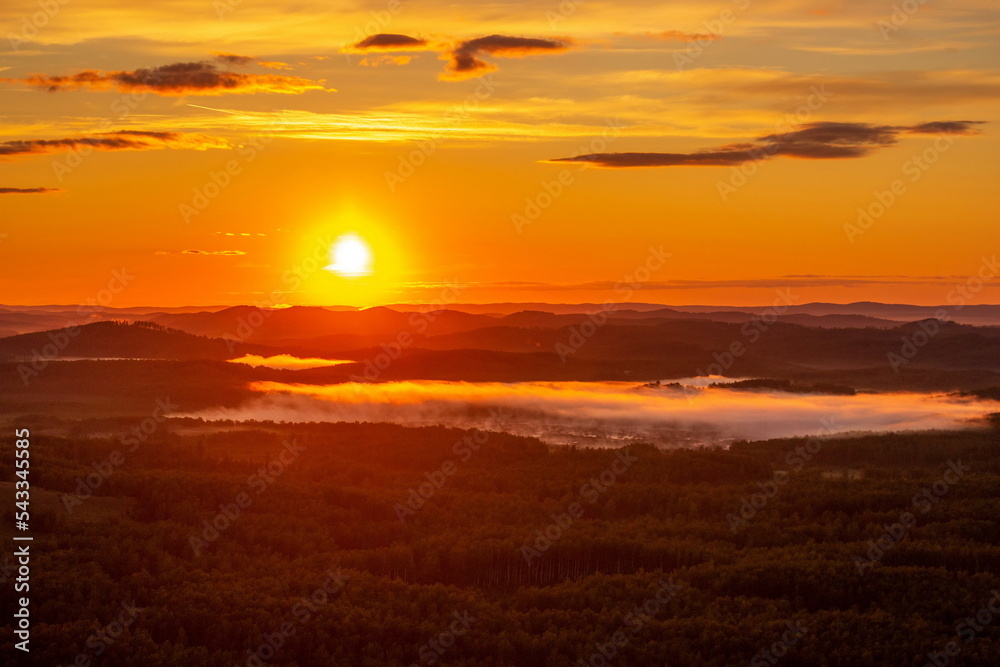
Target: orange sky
739,138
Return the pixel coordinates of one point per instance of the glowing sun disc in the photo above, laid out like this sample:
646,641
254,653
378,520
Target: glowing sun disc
350,256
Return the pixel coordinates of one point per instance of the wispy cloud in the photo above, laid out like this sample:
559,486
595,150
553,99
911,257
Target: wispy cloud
815,141
880,91
223,253
384,59
234,60
780,282
125,140
671,36
27,191
191,78
430,121
112,141
946,127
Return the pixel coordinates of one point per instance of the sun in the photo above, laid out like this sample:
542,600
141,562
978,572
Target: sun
350,257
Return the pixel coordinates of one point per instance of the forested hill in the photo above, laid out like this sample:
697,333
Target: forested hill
129,340
370,540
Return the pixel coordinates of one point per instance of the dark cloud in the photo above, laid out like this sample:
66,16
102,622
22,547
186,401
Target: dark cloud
838,133
195,78
830,141
234,60
464,62
814,141
111,141
725,156
27,191
946,127
389,42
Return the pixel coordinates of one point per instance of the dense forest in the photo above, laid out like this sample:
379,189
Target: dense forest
225,544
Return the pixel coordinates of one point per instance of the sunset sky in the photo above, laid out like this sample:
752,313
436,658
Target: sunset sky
212,151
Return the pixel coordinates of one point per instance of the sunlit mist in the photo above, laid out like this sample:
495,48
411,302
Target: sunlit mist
288,361
594,413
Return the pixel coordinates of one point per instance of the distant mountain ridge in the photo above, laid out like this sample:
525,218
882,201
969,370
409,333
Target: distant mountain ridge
298,322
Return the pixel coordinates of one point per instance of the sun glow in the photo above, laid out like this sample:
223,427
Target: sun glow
350,257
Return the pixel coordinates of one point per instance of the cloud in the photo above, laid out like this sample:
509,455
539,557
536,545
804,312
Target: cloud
671,36
831,140
814,141
225,253
782,282
464,62
947,127
734,89
719,158
390,42
234,60
434,119
124,140
379,61
194,78
463,58
27,191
